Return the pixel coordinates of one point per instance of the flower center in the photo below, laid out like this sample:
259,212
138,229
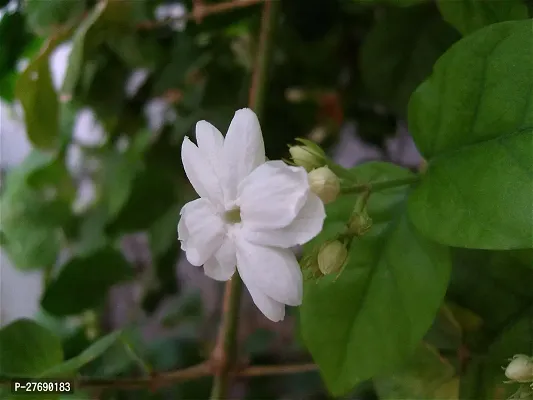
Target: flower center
233,216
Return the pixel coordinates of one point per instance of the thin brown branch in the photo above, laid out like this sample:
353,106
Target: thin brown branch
202,370
225,351
260,370
200,11
153,382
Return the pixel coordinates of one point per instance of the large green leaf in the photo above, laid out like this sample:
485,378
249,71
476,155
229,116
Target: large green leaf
473,122
372,318
35,90
27,349
91,353
47,17
470,15
400,50
84,281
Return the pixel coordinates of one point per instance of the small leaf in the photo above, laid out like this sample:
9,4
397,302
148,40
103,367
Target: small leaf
94,351
426,375
84,281
470,15
371,318
47,17
27,349
496,286
120,171
36,92
473,121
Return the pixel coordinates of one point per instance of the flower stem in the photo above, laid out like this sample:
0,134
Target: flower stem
379,186
225,352
264,54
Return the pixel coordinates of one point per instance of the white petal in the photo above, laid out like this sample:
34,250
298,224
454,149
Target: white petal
210,140
272,309
200,172
272,196
183,232
275,272
201,231
211,144
221,266
244,149
306,226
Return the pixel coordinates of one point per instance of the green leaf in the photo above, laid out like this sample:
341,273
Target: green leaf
426,375
36,92
371,318
27,349
94,351
107,19
470,15
152,195
120,171
47,17
400,50
137,50
30,215
473,122
84,281
14,38
86,38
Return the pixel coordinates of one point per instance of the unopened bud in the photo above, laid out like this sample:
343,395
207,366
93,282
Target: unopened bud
308,155
331,257
325,184
359,223
520,369
305,157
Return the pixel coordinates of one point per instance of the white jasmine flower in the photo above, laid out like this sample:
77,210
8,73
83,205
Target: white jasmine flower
250,212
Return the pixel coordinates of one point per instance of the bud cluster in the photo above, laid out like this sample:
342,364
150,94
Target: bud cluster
322,181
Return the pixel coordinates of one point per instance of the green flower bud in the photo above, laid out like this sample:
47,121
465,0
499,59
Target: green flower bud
325,184
308,155
520,369
332,257
359,223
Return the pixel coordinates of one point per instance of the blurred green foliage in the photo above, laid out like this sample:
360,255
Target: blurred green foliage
357,60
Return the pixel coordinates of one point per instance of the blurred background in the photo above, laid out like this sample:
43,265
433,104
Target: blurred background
92,181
